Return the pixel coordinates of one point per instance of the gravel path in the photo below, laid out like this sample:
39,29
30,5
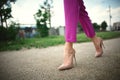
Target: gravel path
41,64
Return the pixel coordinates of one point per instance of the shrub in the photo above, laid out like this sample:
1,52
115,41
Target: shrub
7,34
3,33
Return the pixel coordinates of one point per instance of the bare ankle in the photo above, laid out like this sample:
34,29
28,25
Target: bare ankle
68,46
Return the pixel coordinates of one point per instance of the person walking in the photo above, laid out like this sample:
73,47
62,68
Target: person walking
75,12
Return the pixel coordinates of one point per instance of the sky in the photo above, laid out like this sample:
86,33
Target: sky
98,10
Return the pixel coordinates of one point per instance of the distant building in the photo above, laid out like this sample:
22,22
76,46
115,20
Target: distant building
27,31
116,26
58,31
53,31
61,30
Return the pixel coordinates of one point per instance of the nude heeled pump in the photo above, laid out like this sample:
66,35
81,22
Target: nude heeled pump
70,65
99,54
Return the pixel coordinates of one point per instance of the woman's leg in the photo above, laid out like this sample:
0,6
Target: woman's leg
75,9
71,22
71,19
88,28
85,20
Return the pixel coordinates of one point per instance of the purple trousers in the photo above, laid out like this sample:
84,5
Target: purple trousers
75,12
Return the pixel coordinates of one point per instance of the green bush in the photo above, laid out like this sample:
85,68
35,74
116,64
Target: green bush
12,32
7,34
3,33
96,27
42,29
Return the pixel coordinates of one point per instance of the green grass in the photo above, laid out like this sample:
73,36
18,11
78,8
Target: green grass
50,41
105,35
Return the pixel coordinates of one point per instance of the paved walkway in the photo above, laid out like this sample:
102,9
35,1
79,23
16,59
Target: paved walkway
41,64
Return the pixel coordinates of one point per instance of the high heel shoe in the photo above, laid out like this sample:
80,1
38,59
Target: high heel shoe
69,64
101,45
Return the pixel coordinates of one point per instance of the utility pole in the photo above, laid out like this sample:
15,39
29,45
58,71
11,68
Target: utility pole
49,10
110,16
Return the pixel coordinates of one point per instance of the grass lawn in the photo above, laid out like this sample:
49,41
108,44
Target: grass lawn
50,41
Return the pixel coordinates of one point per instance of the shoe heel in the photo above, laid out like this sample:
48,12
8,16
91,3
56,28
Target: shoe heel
103,44
75,60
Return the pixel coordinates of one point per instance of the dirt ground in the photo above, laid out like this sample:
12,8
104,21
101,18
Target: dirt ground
41,64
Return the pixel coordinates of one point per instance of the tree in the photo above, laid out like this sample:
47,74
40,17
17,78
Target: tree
80,27
48,4
5,11
43,18
10,33
104,25
96,26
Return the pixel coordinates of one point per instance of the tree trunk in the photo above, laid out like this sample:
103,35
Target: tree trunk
1,20
6,23
49,17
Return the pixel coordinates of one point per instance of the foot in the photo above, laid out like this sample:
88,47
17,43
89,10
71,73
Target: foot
98,46
69,54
